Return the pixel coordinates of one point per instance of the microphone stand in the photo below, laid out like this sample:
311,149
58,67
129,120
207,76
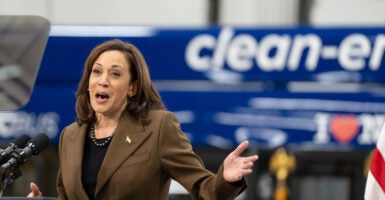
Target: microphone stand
8,178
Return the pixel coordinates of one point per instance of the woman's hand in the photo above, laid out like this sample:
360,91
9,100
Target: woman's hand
35,191
236,167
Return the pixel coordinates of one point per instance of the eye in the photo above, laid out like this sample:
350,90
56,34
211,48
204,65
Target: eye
115,74
96,71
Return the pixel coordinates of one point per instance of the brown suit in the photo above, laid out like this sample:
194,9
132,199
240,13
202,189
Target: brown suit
142,168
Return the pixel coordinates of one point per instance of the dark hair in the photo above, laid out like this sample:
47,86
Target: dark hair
146,97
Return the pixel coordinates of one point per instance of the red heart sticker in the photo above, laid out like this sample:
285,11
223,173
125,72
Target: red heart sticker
344,127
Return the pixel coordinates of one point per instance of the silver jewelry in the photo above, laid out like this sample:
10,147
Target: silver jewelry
92,136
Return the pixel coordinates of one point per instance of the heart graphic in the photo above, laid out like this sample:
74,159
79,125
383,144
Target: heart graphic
344,127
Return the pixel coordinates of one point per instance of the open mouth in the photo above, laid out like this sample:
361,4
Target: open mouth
102,96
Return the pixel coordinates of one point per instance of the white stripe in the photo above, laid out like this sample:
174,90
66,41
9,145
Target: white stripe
373,191
381,141
105,31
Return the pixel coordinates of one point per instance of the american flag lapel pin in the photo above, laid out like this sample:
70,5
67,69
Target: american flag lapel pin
128,139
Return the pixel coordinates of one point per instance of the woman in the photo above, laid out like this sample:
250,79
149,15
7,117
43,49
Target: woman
125,145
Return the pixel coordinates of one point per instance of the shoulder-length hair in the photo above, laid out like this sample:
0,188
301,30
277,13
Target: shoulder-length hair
146,97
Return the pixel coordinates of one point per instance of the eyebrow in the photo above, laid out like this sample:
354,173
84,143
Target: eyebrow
114,66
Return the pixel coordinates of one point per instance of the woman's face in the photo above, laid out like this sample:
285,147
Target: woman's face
110,84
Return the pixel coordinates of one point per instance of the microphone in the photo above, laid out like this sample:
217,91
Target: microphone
17,143
33,147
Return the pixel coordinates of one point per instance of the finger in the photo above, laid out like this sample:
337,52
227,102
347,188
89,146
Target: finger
242,173
35,191
249,165
246,172
250,159
30,194
253,158
241,148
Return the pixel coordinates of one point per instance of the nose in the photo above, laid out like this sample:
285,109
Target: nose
103,80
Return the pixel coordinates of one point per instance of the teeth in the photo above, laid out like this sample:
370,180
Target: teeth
101,96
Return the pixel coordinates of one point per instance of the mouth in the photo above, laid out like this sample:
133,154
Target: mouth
102,96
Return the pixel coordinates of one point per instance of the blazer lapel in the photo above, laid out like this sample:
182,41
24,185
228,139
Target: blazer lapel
76,156
129,135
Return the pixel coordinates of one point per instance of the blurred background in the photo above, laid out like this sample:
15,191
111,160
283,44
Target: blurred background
302,80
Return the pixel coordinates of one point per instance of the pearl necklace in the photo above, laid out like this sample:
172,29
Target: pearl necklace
92,136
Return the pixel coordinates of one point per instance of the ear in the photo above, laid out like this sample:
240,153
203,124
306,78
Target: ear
132,89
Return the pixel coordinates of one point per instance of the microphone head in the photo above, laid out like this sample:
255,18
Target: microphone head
21,141
39,143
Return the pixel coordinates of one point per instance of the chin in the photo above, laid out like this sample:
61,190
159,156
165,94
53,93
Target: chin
99,109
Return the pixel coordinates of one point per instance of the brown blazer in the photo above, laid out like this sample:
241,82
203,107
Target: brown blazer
140,162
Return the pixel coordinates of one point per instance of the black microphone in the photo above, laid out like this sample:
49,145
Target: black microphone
17,143
33,147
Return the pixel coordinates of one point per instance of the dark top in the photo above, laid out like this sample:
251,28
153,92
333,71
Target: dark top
92,160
